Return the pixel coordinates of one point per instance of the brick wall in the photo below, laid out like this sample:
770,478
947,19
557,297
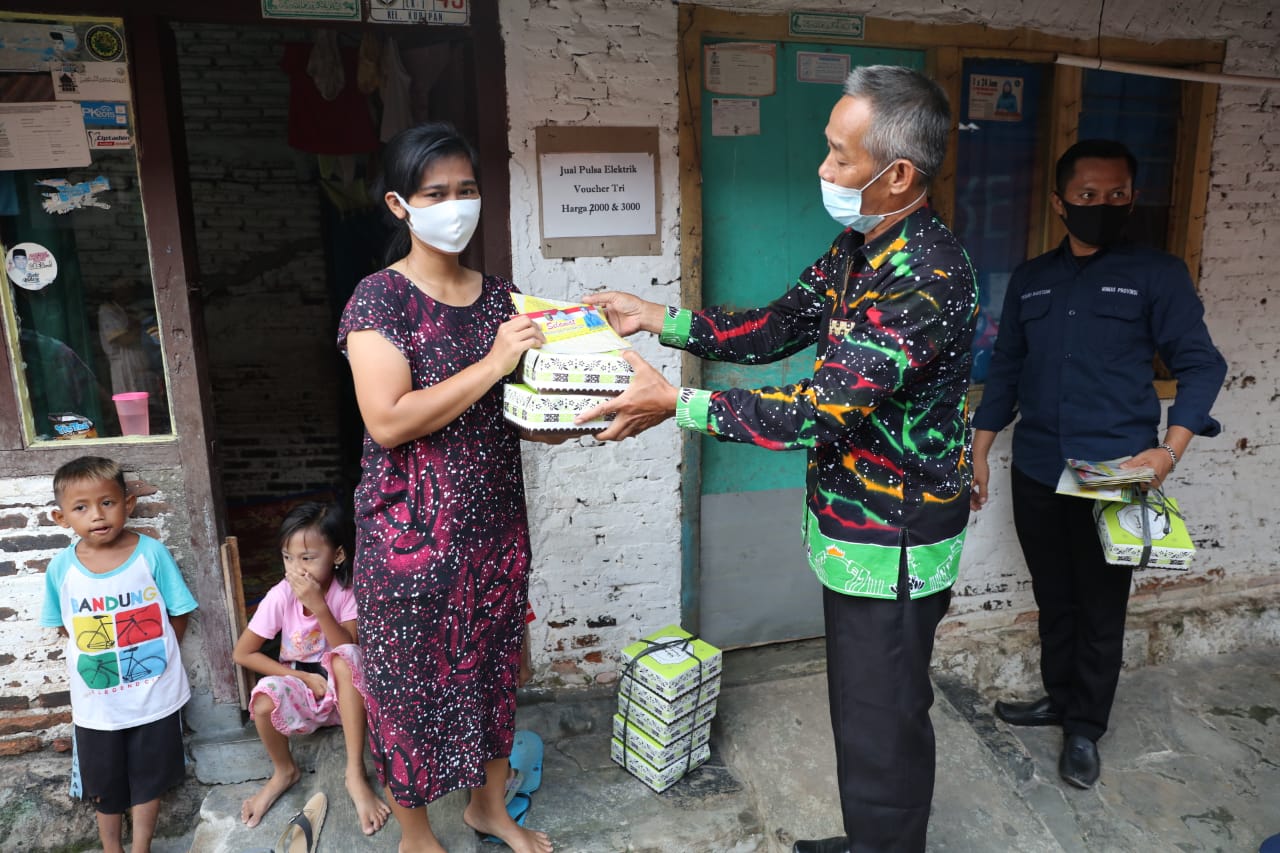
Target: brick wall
272,361
35,707
607,548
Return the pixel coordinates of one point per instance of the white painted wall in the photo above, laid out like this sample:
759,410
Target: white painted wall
606,520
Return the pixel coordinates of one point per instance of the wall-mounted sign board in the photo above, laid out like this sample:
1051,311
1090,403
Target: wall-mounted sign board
598,191
450,13
832,25
313,10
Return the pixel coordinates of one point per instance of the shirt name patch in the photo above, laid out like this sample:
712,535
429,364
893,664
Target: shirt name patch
1127,291
840,328
1044,292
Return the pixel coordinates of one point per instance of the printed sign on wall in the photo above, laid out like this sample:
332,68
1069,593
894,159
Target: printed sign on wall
445,12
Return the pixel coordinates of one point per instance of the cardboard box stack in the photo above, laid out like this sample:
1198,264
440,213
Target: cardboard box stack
666,700
555,387
1165,545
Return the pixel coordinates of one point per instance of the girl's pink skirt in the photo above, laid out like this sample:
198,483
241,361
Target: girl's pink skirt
297,710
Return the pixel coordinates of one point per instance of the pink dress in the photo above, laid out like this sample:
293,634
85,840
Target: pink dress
297,710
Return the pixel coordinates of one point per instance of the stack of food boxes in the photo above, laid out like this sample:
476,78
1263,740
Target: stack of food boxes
1165,545
666,699
556,387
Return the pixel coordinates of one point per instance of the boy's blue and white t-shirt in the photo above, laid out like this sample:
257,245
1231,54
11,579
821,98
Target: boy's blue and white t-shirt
122,653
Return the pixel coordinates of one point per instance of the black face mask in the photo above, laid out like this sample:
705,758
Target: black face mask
1096,224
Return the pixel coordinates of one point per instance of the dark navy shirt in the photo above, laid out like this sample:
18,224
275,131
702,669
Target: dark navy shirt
1074,354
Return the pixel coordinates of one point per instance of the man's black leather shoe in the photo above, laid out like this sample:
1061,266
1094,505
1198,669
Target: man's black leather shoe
839,844
1079,764
1037,713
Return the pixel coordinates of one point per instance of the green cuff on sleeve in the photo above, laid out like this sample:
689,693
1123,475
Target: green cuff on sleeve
691,409
675,327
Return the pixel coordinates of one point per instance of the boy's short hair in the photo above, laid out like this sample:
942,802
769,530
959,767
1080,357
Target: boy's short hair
88,468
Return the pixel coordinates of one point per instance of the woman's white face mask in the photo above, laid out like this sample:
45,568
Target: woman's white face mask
445,225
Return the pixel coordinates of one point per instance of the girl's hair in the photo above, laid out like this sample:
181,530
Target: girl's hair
329,521
406,157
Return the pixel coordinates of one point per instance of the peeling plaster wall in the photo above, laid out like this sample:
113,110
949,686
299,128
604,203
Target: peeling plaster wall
607,547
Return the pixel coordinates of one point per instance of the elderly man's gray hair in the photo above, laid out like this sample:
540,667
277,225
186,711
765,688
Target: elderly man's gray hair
910,116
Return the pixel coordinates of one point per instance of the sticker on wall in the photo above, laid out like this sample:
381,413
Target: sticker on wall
67,196
31,47
93,81
735,116
31,266
993,98
106,138
105,114
104,43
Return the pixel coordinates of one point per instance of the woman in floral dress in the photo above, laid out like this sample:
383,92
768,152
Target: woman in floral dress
442,545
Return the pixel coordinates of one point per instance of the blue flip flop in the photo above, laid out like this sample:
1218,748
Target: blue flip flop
526,761
518,808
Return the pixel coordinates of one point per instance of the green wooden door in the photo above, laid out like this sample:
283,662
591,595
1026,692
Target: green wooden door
763,223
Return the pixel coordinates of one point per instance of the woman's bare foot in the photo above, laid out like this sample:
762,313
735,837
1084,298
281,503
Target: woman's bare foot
256,806
372,810
516,837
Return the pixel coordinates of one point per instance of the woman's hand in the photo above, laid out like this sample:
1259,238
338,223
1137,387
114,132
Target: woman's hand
515,337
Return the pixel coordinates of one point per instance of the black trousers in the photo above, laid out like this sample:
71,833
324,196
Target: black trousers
1082,601
878,654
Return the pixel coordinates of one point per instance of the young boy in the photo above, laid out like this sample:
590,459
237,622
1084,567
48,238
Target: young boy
119,598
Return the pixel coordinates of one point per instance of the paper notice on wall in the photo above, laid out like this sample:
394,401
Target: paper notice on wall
740,68
598,194
735,116
42,135
813,67
92,81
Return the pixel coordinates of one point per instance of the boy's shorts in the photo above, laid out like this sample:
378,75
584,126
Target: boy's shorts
128,767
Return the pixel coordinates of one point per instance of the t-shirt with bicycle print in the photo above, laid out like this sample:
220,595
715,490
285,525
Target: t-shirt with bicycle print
122,654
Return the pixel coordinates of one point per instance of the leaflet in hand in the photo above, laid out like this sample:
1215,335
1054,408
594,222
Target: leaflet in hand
1109,473
569,327
1069,485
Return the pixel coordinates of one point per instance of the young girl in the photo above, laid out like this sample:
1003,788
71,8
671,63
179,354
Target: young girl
443,538
319,679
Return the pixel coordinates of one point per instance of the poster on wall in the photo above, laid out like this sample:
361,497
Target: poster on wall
42,135
91,81
312,10
814,67
32,47
995,98
456,13
740,68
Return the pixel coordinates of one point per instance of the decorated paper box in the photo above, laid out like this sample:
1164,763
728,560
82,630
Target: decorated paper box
657,778
658,754
553,412
1120,529
677,668
664,731
588,371
667,710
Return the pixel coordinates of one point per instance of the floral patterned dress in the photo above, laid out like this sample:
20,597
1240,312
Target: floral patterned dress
442,554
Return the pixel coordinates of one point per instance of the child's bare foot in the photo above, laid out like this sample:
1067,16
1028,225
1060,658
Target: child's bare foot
256,806
372,810
516,837
409,846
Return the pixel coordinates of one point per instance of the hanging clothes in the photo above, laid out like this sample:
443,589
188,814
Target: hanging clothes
341,125
397,109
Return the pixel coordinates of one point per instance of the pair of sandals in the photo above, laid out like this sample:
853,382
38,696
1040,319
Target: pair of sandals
525,778
302,833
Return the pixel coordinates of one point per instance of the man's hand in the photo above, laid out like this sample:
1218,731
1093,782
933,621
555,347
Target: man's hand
648,401
981,477
1157,459
628,314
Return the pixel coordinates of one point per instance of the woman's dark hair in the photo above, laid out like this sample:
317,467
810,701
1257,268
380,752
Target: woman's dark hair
406,157
329,521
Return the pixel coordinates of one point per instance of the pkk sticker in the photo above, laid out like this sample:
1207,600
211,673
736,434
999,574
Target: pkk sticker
31,266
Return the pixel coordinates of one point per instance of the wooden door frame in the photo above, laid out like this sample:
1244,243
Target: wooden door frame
945,46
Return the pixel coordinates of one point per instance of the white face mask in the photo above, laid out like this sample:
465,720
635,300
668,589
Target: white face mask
446,225
845,204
